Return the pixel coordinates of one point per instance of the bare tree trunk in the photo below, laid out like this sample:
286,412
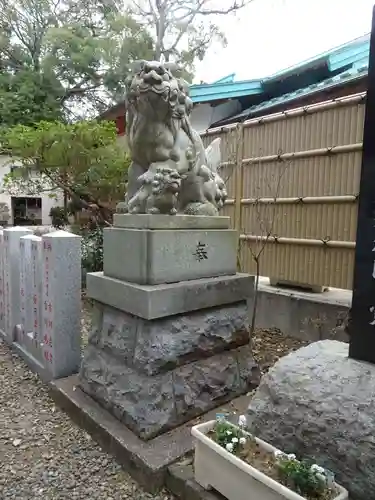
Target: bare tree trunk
255,301
65,196
160,31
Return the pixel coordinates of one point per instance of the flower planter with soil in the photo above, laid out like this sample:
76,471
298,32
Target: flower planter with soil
254,469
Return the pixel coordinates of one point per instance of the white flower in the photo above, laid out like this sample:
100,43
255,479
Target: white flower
229,433
317,469
229,447
278,454
242,440
242,421
321,477
235,440
291,456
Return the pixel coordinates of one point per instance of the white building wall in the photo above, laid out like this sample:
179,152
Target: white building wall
204,115
47,202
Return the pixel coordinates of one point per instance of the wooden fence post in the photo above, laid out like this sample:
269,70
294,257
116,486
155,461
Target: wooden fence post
238,180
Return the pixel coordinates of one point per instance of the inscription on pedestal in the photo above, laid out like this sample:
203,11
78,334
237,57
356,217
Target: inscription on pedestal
200,252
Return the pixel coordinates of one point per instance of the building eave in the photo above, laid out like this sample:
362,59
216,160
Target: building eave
267,106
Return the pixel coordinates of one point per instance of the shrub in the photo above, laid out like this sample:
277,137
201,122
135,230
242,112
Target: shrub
92,249
58,217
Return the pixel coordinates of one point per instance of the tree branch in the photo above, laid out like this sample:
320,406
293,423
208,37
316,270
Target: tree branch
93,205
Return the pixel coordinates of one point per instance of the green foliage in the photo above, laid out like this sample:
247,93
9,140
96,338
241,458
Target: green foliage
26,97
58,217
64,59
302,476
92,249
81,159
228,436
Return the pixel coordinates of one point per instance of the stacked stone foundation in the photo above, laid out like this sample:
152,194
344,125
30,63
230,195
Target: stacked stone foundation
160,354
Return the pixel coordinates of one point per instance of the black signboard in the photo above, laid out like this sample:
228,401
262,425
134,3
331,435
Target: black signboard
361,326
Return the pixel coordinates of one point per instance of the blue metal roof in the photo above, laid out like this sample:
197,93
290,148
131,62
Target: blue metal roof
206,92
344,77
353,54
351,58
349,54
344,63
336,58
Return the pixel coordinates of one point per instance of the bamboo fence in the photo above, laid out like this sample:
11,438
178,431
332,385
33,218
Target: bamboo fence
293,182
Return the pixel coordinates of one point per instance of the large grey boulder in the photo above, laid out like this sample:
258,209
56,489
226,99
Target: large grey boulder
320,404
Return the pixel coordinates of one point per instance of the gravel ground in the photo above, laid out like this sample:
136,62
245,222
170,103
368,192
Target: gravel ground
271,345
44,455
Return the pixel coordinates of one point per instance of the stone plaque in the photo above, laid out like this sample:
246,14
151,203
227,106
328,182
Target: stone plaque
36,283
61,307
2,310
11,265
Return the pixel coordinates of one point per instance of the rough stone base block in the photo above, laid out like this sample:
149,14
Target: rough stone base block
320,404
152,405
146,461
155,375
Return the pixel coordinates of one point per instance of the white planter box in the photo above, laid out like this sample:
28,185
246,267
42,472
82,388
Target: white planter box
216,468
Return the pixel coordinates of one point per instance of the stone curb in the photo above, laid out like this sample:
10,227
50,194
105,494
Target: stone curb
180,481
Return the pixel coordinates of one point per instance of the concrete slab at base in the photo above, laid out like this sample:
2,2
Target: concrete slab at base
32,362
303,315
158,301
155,221
302,286
180,481
167,256
147,461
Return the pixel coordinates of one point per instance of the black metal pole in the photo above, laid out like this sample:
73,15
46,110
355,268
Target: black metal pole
362,322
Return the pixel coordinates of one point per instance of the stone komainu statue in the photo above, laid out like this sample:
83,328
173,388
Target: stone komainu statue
171,172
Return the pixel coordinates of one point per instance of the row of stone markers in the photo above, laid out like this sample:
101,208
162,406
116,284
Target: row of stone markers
40,299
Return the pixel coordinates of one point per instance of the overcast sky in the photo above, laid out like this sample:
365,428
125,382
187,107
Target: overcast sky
270,35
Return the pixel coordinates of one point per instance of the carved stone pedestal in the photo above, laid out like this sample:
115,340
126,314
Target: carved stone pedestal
162,354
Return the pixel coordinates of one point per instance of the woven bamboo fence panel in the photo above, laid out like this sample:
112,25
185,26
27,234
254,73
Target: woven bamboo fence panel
293,182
